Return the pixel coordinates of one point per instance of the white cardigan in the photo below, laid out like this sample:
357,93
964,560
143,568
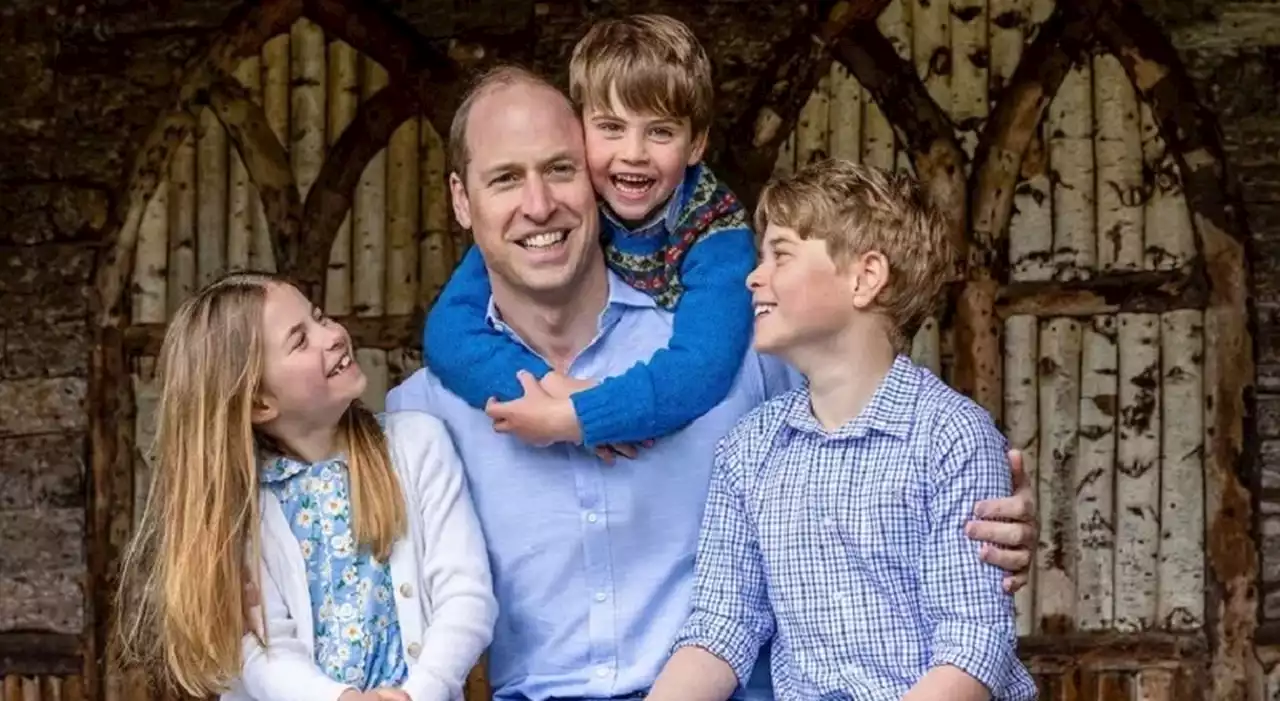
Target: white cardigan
440,570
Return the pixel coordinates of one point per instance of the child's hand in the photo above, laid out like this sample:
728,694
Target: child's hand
612,451
561,386
390,694
537,418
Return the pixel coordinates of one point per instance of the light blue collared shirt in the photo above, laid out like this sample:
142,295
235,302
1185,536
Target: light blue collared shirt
593,564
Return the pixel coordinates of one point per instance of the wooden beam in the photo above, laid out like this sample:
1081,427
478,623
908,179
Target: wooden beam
111,414
411,61
1112,650
1062,41
795,66
382,333
267,163
32,654
369,132
1193,136
1147,291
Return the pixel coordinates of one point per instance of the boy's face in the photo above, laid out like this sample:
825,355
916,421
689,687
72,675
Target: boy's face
637,160
802,298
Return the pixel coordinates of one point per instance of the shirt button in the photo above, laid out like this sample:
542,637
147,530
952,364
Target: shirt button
829,522
406,591
415,650
591,517
601,596
602,671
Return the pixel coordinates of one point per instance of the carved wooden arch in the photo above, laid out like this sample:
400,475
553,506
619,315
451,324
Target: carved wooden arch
421,81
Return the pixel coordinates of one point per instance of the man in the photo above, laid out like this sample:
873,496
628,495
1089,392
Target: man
592,563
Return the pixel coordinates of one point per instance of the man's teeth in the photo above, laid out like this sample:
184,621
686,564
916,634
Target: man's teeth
343,363
762,309
545,239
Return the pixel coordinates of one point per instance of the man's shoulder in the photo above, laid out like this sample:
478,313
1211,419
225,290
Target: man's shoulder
419,392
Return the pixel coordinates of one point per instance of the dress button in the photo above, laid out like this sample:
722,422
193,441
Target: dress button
415,650
406,591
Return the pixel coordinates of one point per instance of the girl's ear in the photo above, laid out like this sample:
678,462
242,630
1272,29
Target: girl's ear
264,410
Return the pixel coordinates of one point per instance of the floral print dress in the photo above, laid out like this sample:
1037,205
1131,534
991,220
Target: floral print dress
357,631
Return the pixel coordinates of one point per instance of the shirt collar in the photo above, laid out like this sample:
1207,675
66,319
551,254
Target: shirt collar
889,411
281,468
668,216
621,297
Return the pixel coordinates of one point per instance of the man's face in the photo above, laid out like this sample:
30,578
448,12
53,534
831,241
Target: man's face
527,197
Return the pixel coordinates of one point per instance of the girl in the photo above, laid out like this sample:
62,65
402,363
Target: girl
372,580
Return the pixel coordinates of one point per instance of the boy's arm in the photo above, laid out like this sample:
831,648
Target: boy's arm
472,359
974,644
679,383
731,618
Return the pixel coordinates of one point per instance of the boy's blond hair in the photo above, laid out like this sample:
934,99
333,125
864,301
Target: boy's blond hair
655,64
857,209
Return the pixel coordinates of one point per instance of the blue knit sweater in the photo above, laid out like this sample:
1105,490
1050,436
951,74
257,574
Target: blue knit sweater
710,333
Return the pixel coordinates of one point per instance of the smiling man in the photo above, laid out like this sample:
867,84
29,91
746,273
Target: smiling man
592,563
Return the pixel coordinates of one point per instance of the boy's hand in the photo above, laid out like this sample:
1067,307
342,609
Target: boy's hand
561,386
390,694
1008,527
612,451
537,418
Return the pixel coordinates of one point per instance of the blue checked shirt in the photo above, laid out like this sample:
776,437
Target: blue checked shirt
849,546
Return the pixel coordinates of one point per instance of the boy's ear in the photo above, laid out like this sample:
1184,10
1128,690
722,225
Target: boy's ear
699,147
868,275
461,202
264,410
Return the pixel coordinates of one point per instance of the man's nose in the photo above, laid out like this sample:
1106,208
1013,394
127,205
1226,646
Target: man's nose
538,203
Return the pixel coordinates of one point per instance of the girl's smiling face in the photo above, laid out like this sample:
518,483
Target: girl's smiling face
310,375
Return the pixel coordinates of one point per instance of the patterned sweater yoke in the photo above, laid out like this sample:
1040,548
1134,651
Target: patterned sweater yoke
709,208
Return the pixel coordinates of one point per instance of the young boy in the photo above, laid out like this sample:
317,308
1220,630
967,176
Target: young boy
835,519
670,229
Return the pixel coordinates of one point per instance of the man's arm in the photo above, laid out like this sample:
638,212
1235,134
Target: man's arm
973,651
731,619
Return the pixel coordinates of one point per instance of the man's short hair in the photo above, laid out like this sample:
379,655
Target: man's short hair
857,209
497,77
653,61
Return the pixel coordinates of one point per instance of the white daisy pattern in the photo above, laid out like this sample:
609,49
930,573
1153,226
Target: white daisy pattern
356,627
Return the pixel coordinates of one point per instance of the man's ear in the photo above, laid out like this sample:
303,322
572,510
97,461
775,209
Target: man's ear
868,275
699,147
461,202
264,409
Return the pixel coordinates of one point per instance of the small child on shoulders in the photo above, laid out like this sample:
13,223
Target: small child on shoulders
834,523
670,229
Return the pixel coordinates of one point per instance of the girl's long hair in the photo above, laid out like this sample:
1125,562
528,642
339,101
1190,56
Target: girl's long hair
181,601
